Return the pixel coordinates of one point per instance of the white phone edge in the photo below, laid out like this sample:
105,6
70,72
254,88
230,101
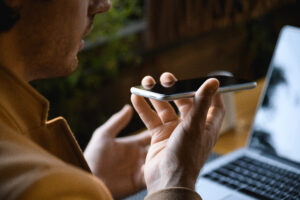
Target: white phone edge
163,97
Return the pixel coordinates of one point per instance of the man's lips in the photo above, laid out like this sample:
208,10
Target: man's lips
89,29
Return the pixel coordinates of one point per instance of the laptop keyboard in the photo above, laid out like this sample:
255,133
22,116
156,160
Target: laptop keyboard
258,179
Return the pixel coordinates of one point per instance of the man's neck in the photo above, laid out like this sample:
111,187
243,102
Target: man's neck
10,58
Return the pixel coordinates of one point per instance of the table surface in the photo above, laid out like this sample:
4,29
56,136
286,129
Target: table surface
245,107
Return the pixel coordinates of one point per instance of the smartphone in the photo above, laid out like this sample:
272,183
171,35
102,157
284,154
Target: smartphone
187,88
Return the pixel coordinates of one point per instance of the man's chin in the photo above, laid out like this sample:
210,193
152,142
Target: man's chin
55,70
67,69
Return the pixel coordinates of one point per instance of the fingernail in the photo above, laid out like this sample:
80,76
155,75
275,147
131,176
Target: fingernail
148,81
214,89
211,90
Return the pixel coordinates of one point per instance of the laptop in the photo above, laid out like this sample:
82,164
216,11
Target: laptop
269,167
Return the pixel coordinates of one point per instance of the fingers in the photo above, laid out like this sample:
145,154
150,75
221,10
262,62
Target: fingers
117,122
148,82
167,79
183,105
142,139
164,110
148,116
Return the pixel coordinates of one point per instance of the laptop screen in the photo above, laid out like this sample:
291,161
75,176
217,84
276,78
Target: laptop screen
276,128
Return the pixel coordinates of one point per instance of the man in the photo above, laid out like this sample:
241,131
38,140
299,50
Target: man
40,159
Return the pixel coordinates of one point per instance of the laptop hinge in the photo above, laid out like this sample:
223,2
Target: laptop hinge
280,159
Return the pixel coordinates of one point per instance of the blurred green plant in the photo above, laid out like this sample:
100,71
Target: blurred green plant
122,12
75,97
102,63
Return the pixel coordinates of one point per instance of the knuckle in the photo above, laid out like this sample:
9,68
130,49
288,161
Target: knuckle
164,114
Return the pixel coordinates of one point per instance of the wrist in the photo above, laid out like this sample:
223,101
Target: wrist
159,187
174,180
178,193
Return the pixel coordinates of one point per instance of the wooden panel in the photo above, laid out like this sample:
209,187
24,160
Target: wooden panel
171,20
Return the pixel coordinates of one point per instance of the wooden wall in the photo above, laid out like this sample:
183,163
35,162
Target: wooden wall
192,38
172,20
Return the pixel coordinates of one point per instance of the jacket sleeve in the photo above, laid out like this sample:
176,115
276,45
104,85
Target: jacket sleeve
28,172
176,193
61,185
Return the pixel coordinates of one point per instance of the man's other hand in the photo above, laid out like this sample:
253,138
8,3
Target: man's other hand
118,162
180,143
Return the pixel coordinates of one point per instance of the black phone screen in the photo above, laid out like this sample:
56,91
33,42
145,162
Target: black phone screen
191,85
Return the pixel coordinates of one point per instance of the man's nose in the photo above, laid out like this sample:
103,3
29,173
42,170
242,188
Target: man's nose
99,6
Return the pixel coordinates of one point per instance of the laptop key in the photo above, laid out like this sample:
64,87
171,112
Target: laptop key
260,195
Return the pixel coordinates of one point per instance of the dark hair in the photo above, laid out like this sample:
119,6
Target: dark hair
8,17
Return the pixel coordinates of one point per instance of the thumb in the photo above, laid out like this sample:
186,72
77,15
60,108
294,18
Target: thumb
203,100
117,122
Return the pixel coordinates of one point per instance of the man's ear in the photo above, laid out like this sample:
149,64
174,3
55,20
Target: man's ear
9,14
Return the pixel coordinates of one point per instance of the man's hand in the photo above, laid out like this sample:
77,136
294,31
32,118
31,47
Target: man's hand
118,162
179,145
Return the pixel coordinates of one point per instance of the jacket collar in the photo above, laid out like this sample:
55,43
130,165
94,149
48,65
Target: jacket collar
21,102
25,110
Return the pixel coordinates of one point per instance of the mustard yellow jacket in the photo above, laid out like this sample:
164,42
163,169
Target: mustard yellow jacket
40,159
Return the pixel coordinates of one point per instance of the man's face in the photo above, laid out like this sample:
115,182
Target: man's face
49,34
